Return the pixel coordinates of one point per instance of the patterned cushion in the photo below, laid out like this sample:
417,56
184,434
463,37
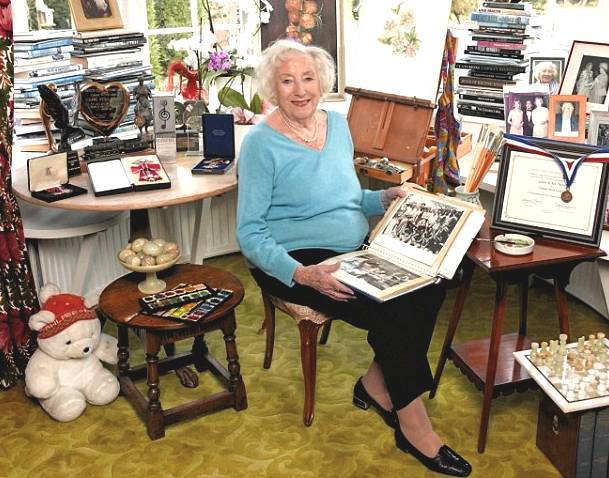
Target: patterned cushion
299,312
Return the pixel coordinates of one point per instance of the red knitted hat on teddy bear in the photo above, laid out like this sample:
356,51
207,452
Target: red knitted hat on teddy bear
68,308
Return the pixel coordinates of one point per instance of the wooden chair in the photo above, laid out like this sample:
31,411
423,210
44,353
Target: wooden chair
309,322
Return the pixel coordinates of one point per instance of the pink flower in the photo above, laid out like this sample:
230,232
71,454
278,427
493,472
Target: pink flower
6,21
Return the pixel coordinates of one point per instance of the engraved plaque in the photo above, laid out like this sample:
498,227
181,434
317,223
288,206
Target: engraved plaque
104,105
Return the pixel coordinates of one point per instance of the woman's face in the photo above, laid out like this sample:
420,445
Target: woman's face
546,74
567,109
538,101
297,87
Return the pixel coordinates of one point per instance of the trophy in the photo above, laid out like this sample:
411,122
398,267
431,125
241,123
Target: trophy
51,107
104,106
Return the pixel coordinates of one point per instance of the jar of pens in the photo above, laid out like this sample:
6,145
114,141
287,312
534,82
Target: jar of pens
489,141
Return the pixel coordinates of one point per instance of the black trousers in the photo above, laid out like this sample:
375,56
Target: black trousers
399,330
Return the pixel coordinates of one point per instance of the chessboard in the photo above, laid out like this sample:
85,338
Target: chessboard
575,375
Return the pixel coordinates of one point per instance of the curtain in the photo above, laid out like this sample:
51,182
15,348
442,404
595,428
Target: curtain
17,291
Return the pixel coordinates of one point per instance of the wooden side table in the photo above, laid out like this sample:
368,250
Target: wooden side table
489,362
119,303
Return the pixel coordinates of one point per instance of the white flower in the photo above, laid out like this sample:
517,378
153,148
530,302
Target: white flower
265,17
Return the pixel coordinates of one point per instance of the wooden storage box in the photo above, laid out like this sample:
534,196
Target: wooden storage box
576,443
398,128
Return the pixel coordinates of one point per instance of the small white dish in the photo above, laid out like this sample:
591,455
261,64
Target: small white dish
514,244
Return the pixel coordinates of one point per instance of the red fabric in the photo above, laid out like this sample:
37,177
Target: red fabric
68,309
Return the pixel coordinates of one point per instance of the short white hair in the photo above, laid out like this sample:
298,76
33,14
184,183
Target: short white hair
280,51
543,65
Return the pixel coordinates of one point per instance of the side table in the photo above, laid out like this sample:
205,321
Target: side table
488,362
119,303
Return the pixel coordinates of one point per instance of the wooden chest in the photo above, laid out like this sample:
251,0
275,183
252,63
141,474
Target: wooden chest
576,443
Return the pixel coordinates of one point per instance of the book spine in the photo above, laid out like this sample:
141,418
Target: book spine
491,74
44,45
495,54
493,18
502,27
514,69
499,11
481,114
486,82
53,71
503,5
46,52
498,38
502,45
482,98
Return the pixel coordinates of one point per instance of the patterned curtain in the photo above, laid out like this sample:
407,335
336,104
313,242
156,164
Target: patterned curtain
445,169
17,291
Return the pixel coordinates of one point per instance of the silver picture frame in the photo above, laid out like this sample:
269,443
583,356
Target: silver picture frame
598,133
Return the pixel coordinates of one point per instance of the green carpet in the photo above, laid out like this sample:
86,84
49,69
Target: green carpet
268,439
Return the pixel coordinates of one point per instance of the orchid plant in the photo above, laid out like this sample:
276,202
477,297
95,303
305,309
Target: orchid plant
227,69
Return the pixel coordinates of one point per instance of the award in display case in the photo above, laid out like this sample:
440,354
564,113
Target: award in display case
128,173
48,178
218,144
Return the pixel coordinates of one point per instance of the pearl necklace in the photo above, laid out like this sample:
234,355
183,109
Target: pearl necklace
292,127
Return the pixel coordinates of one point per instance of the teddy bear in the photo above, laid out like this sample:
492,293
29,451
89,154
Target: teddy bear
66,371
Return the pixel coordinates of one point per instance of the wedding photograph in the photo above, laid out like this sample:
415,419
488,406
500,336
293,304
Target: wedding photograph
376,271
587,74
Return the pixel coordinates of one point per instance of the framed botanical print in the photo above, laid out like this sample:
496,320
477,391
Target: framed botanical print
95,14
587,74
310,23
551,188
598,133
567,118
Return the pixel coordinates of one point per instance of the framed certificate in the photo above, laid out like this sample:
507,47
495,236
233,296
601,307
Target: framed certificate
545,188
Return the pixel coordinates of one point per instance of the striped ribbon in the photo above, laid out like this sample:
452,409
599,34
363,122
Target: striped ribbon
568,167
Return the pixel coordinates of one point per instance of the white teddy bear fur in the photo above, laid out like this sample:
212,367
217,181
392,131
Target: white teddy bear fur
65,372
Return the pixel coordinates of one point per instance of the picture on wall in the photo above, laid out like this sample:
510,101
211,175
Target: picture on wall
310,23
599,129
567,118
546,70
95,14
587,74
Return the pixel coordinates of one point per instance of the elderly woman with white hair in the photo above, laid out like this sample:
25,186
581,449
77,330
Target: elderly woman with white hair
300,203
546,72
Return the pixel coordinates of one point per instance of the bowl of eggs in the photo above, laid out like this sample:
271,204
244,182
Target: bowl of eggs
149,256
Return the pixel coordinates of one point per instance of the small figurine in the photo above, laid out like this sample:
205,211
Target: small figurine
51,106
143,111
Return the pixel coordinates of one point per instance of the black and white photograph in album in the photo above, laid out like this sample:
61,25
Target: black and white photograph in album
424,223
375,271
603,135
593,79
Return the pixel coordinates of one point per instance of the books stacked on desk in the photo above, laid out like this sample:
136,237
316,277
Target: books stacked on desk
113,55
496,57
41,57
187,303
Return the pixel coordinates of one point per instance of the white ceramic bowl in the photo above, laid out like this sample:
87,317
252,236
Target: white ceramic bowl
522,244
152,284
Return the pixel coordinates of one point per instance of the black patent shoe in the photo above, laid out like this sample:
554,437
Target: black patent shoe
447,461
363,400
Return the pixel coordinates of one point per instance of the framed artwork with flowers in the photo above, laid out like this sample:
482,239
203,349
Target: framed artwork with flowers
311,22
95,14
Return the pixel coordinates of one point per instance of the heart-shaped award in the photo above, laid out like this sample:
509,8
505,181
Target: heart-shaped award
104,105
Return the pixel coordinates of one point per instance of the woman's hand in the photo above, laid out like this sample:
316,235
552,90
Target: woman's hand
388,195
320,278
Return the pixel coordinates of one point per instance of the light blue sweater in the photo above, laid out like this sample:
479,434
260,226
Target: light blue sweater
293,197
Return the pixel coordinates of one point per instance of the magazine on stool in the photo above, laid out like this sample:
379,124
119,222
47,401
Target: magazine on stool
421,239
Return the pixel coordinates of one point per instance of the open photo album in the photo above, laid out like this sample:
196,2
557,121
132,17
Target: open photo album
422,238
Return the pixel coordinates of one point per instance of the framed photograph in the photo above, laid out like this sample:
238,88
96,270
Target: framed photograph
526,110
546,70
587,74
95,14
311,25
567,120
598,133
532,196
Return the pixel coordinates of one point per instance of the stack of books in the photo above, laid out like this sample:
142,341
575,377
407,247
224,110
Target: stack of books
113,55
41,57
496,57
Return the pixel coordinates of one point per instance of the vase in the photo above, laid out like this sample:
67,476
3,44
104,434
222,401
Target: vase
473,197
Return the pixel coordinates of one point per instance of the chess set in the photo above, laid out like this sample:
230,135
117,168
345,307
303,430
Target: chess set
185,302
575,375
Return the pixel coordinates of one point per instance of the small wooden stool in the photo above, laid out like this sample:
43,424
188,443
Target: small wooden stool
309,322
119,303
